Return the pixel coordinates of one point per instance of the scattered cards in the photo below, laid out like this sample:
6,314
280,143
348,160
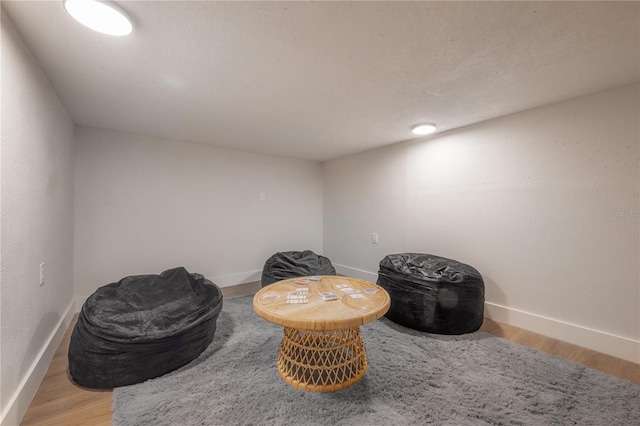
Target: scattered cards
298,296
293,295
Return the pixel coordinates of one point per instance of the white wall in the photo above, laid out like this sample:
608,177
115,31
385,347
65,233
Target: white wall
36,223
143,205
543,203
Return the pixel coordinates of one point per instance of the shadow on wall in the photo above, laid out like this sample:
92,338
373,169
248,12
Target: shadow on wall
44,329
492,292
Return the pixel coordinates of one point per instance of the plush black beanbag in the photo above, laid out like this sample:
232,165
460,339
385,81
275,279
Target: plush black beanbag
433,294
291,264
143,327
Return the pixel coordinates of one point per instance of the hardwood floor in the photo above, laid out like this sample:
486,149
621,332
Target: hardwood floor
613,366
60,402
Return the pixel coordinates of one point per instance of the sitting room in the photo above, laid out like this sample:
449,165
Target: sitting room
359,213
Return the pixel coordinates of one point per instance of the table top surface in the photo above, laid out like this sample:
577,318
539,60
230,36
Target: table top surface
367,302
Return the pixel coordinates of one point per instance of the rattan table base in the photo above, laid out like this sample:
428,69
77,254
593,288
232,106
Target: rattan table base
321,350
322,361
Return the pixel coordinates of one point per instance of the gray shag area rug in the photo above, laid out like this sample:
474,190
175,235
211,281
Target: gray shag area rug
413,378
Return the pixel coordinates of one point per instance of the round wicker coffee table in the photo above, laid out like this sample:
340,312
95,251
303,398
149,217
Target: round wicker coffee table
321,350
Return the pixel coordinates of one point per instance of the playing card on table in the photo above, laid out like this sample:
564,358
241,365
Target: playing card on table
329,296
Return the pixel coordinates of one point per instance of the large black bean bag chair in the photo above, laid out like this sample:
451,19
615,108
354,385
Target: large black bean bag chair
143,327
433,294
291,264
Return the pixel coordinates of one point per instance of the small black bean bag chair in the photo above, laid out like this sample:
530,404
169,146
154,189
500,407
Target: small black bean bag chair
143,327
433,294
291,264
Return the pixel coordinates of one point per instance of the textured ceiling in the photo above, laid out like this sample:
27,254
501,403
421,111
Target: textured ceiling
325,79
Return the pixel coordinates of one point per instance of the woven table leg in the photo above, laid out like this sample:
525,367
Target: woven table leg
322,361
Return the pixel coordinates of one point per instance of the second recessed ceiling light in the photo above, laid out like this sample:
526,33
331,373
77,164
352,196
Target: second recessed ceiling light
424,129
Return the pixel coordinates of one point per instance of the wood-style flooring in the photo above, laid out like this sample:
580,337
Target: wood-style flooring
60,402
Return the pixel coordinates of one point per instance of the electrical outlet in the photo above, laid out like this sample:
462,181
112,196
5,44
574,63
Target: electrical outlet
374,238
262,196
41,274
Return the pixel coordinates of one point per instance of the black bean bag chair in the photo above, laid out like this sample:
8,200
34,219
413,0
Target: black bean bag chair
291,264
143,327
433,294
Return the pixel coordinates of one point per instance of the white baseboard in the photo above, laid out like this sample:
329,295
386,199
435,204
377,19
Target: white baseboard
620,347
79,302
356,273
235,279
19,402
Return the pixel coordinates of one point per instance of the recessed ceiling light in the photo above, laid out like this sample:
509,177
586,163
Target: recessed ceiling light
424,129
102,16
